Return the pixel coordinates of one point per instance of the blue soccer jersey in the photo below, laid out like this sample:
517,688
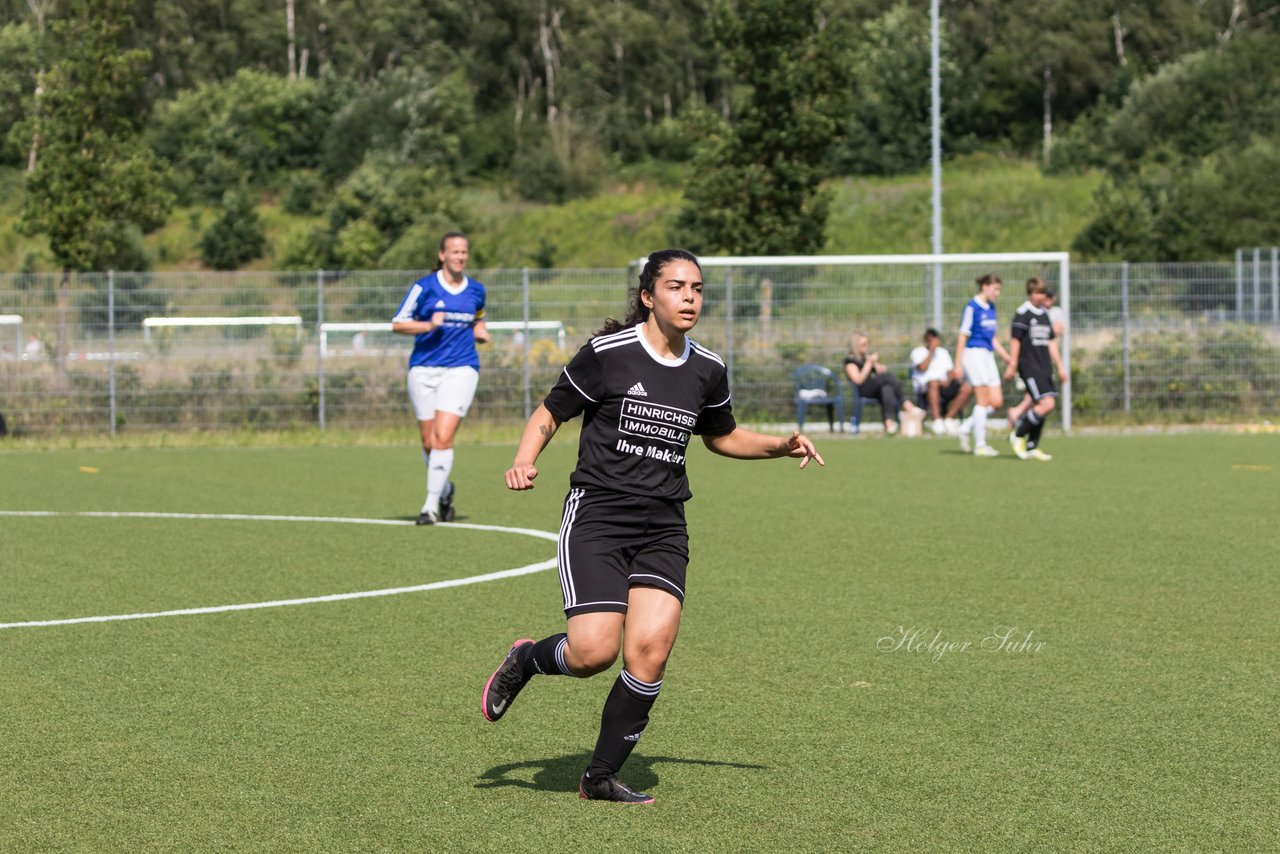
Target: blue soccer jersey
979,323
452,345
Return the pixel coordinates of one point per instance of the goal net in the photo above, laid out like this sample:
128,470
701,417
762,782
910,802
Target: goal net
769,314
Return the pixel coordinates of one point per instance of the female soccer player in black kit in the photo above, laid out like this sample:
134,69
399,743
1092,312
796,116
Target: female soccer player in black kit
643,388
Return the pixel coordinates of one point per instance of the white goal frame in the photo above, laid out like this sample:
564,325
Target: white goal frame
524,326
937,262
149,323
14,320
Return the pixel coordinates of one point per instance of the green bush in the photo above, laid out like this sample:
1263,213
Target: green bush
557,165
1186,375
236,236
302,194
241,130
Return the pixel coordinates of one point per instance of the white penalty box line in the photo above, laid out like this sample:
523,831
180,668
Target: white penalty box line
280,603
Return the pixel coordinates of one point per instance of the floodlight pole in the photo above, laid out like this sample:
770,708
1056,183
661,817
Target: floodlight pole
111,348
320,346
935,110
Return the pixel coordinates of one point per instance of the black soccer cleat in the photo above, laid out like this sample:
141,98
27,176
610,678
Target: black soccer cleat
505,683
610,788
426,517
447,511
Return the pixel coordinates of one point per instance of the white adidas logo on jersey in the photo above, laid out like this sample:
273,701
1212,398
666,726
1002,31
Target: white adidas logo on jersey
637,390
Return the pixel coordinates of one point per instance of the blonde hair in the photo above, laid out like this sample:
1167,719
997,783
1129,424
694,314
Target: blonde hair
852,347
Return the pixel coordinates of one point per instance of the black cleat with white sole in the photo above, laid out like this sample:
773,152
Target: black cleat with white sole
610,788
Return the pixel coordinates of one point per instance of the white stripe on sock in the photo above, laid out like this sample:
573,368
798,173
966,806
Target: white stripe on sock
644,689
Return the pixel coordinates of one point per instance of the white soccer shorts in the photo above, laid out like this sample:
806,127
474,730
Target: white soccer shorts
980,368
444,389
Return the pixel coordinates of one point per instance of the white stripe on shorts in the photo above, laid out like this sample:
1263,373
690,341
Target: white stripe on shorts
562,546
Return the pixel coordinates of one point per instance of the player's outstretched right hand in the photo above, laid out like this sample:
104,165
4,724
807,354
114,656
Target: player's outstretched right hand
521,476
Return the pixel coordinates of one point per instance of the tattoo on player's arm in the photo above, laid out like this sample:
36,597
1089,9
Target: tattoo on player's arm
547,430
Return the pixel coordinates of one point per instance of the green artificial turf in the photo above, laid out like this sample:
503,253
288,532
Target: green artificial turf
1131,707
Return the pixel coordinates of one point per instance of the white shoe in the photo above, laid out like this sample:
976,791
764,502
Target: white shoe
891,427
963,436
1019,444
1037,454
938,426
985,451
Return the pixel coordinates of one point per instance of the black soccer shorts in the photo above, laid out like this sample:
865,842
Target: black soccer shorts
1040,385
610,541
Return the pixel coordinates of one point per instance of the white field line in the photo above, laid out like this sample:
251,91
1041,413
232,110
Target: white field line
280,603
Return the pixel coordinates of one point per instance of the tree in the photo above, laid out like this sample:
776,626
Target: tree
758,187
887,130
19,48
94,174
1189,157
236,236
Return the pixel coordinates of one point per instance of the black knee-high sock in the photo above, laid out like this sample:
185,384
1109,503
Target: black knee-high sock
625,715
1033,441
547,657
1027,423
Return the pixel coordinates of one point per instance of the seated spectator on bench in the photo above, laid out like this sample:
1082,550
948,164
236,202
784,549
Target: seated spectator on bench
936,390
874,380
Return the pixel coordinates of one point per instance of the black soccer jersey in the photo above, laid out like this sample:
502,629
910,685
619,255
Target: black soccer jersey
639,412
1032,327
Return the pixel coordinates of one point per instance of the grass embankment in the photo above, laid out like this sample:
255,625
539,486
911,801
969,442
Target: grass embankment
991,204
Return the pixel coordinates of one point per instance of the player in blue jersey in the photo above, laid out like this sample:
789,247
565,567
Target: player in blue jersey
444,311
977,344
643,389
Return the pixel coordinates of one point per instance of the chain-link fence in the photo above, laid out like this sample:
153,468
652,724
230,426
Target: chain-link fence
142,351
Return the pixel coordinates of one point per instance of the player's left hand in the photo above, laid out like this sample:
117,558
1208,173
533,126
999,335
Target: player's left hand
799,445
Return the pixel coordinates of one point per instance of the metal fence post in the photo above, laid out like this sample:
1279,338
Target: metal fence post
1257,285
1275,285
320,342
524,308
1124,320
1239,284
937,296
111,348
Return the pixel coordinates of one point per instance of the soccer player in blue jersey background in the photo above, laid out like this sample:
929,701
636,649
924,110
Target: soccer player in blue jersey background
978,339
444,311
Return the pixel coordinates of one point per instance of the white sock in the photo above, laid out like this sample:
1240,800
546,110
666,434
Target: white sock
426,460
980,425
437,477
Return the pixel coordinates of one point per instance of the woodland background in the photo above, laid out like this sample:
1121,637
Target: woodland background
305,134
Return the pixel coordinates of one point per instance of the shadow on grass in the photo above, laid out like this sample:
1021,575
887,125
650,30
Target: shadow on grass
414,518
562,774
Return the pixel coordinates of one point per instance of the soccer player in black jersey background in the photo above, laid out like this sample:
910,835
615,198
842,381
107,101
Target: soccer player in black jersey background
644,388
1033,349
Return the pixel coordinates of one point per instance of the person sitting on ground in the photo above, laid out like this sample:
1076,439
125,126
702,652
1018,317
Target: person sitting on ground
874,380
936,389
